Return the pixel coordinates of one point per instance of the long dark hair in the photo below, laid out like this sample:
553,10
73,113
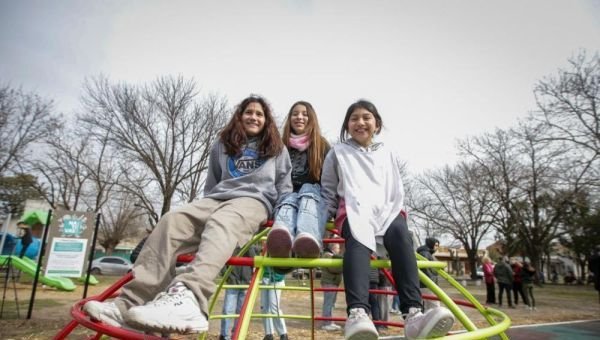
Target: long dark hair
233,136
361,104
318,144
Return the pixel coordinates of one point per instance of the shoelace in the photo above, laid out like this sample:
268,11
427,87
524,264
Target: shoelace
357,314
166,298
412,315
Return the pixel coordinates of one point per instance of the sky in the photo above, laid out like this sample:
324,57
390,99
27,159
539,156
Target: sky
437,71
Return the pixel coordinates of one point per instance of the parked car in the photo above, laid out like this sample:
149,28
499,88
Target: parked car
304,273
479,272
111,265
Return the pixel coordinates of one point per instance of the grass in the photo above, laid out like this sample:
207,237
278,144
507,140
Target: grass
51,313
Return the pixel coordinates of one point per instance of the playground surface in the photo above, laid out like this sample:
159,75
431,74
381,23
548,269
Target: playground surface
575,330
571,330
555,303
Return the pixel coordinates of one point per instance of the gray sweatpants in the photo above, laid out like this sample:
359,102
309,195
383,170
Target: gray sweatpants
211,229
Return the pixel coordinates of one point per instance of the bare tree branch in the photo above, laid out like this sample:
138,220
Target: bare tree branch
25,118
162,133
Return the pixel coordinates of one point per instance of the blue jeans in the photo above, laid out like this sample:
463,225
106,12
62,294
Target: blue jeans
396,303
270,302
303,212
234,299
328,301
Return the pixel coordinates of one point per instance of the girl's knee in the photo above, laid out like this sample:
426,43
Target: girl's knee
308,188
290,201
398,232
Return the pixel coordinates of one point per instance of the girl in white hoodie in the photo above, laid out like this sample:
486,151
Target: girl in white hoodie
362,187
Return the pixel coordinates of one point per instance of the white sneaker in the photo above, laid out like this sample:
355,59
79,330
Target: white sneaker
359,326
306,246
434,323
331,327
175,310
106,312
279,241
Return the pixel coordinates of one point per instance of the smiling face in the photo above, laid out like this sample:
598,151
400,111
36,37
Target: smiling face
299,119
253,119
362,126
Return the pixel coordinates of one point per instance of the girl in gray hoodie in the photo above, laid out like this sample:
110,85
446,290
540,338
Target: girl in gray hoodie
249,170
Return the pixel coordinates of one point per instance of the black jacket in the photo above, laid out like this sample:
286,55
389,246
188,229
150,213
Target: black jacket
136,251
427,251
240,275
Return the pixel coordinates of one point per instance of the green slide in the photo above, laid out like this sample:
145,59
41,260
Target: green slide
93,280
28,266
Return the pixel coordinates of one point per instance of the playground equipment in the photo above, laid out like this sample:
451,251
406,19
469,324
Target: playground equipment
498,321
28,266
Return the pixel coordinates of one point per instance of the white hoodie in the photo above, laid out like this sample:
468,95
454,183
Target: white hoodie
369,181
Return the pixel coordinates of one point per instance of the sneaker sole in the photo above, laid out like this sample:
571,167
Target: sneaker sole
306,247
150,326
279,242
438,329
95,313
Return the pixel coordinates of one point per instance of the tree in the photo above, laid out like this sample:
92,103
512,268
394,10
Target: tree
456,202
542,211
569,105
105,172
62,171
79,171
25,118
14,191
534,183
582,231
498,157
120,219
162,133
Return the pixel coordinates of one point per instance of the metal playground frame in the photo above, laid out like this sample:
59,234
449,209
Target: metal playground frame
497,320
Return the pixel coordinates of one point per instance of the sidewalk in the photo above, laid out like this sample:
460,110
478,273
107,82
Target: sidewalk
573,330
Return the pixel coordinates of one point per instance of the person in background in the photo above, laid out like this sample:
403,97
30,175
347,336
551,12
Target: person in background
395,305
383,300
517,287
331,277
570,277
594,266
373,300
26,237
528,274
270,303
490,281
136,251
554,277
234,297
504,277
427,250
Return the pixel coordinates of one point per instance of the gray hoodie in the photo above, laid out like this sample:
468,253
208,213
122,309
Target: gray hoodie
248,175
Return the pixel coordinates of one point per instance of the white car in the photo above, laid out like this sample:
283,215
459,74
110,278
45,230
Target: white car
111,265
479,272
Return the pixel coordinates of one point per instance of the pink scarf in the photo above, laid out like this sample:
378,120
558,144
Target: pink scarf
299,142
